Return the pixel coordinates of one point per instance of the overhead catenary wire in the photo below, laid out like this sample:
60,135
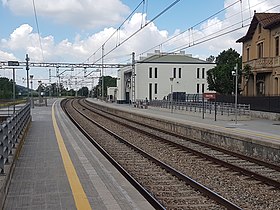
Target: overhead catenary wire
128,17
197,24
137,31
213,35
38,30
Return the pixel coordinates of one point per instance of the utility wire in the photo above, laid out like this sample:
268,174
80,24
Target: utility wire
141,28
191,28
137,31
202,21
129,16
37,25
213,36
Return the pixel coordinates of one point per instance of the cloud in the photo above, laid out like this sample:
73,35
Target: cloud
221,32
82,14
24,40
5,56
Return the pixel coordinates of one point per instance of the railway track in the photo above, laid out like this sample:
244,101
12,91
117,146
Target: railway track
180,154
168,188
263,171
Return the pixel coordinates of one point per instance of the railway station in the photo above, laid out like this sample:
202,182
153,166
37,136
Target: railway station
57,167
129,118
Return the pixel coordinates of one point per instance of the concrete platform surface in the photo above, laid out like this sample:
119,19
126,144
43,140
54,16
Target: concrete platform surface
265,131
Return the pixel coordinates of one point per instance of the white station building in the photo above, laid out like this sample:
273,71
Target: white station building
159,74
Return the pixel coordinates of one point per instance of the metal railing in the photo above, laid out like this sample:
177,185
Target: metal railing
208,107
10,131
267,62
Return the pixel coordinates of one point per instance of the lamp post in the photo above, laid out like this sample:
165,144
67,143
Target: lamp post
31,84
235,73
14,90
40,91
171,80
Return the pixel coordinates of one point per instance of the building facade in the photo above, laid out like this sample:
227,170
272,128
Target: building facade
260,51
159,74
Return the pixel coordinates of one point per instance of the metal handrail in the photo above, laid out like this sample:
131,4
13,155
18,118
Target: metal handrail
207,106
10,131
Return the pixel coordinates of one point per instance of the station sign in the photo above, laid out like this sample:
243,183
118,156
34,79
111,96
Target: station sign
209,96
13,63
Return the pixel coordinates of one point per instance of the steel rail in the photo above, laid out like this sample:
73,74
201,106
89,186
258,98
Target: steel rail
244,171
143,191
251,159
204,190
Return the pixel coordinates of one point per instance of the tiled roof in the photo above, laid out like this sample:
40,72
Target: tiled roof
267,20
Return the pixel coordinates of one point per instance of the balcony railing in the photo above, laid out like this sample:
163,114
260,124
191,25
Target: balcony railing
264,62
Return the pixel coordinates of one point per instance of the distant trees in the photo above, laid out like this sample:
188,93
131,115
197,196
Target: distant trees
6,88
211,59
108,82
220,78
83,91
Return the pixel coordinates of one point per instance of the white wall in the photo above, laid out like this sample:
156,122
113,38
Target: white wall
187,83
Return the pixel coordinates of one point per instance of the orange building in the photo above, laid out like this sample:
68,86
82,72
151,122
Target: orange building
261,52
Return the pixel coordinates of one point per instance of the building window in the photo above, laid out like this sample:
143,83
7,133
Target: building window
155,88
150,91
248,54
180,73
197,73
156,72
260,49
202,88
174,73
203,73
277,46
150,72
197,88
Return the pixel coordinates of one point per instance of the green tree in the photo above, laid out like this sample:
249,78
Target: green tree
71,92
6,88
220,78
108,82
83,91
211,59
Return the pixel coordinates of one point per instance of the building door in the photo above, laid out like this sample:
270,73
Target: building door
260,88
127,98
150,91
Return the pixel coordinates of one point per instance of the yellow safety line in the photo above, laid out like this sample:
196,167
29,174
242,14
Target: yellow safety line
78,192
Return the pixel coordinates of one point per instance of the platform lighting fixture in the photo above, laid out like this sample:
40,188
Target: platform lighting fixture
235,73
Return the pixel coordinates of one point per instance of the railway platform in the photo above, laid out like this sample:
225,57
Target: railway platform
59,169
255,127
257,137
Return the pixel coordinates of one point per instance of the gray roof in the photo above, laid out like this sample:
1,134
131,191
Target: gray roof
172,58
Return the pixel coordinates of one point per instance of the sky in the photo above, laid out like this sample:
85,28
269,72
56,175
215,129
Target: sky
73,31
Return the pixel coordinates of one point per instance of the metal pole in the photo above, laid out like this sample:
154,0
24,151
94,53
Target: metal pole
32,101
236,81
203,106
102,70
171,80
14,89
133,77
59,91
215,109
27,76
